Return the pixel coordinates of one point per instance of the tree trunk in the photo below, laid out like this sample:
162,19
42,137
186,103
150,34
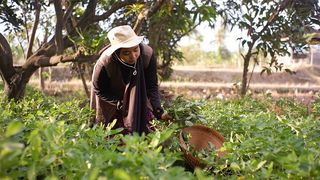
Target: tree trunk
50,74
41,80
154,36
16,88
83,80
245,75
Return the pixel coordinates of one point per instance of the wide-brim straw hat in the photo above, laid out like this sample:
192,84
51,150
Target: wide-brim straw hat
200,138
122,37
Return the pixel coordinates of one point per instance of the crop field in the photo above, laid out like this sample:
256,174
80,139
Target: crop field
246,72
42,138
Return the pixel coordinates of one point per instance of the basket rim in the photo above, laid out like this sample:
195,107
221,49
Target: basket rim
203,129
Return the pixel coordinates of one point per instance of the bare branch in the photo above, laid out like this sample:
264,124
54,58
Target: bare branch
45,61
88,14
80,58
141,17
68,13
34,28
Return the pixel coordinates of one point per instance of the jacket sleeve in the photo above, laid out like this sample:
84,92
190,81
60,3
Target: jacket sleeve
153,88
101,82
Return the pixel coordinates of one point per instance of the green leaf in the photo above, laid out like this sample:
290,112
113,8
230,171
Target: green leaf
166,135
49,159
188,123
260,165
201,175
32,172
155,140
292,157
234,166
121,174
270,168
111,125
249,18
14,128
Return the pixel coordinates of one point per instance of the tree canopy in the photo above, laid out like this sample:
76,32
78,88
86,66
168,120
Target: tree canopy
273,27
75,30
80,27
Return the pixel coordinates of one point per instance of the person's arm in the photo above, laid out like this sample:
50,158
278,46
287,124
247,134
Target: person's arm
153,88
101,83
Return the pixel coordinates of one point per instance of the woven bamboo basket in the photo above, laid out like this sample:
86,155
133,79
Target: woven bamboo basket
200,138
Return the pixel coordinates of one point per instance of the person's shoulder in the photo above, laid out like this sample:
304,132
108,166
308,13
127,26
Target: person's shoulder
147,50
147,53
104,59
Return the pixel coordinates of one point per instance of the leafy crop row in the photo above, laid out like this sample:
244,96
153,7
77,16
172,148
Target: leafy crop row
264,139
42,139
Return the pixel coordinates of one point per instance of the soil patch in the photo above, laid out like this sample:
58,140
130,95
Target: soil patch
196,83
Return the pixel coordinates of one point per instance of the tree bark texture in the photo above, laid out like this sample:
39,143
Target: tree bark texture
245,76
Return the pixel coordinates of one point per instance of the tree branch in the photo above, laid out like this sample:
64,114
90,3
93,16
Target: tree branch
45,61
89,13
68,13
116,6
146,13
187,32
34,28
59,26
6,63
273,16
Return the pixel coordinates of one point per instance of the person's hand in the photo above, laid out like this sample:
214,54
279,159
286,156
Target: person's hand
166,117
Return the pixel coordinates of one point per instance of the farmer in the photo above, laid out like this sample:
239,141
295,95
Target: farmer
125,84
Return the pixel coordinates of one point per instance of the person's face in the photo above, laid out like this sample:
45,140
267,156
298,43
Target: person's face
130,55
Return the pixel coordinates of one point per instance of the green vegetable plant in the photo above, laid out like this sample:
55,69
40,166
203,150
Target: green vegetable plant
42,138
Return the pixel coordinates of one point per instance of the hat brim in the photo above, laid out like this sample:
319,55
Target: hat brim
130,43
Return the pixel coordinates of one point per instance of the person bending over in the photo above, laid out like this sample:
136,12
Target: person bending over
125,84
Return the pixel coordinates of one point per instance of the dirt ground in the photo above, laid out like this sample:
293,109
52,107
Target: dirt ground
196,83
303,85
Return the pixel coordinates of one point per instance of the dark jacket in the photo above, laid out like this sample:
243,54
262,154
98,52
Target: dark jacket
113,82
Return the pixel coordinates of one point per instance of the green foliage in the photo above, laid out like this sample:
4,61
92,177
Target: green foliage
91,41
186,112
168,26
264,139
266,24
40,138
163,27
